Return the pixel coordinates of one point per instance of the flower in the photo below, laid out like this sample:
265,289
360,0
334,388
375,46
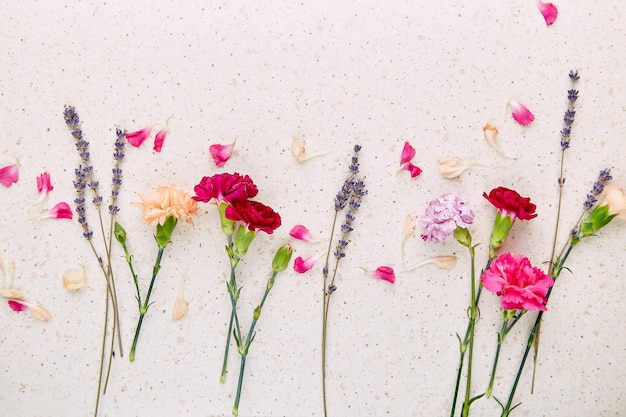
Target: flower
510,203
303,265
548,10
138,137
221,153
9,175
521,114
521,285
159,138
225,187
166,201
385,273
443,216
452,167
255,215
616,200
43,185
74,279
301,233
408,152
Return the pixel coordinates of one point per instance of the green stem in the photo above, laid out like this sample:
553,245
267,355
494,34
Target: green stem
501,336
473,313
143,309
237,398
225,360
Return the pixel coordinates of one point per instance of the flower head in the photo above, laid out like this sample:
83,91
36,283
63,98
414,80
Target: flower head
521,114
408,152
510,203
225,187
443,215
221,153
615,198
548,10
166,201
521,285
255,215
386,273
137,138
9,175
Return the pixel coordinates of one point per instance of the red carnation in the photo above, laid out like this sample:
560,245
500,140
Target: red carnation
256,216
225,187
509,202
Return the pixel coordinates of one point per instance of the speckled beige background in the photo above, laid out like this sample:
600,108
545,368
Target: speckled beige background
336,73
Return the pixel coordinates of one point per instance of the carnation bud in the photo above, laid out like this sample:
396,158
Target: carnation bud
120,233
164,232
242,241
501,227
463,236
597,219
282,258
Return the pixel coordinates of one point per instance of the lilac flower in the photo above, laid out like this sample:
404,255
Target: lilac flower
443,215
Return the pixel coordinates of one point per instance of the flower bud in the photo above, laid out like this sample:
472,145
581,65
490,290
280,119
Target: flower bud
242,241
501,227
282,258
599,217
120,233
463,236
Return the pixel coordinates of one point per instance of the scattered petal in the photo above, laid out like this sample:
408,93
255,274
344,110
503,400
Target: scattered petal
408,229
16,305
159,138
75,279
59,211
408,152
9,175
490,133
137,138
44,186
221,153
181,306
521,114
386,273
11,293
301,233
548,10
35,309
452,167
303,265
443,262
298,149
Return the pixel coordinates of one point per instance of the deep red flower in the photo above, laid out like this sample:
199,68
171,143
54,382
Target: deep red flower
255,215
225,187
509,202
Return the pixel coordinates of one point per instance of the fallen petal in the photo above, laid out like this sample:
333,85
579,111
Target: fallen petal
408,229
17,305
181,306
549,11
221,153
386,273
452,167
303,265
408,152
75,279
301,233
138,137
521,114
9,175
159,138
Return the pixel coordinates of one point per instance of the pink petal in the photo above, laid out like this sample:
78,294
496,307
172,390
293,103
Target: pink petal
549,11
221,154
385,273
413,169
159,139
303,265
9,175
16,305
43,183
60,211
408,152
138,137
521,114
301,233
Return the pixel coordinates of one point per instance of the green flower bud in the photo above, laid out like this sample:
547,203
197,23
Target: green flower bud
501,228
463,236
282,258
120,233
164,232
599,217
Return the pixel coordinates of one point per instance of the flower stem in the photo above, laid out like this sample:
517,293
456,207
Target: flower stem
144,308
239,383
232,292
473,315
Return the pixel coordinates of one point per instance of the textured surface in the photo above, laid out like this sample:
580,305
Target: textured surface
335,73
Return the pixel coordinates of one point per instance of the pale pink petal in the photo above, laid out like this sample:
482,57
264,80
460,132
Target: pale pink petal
221,153
138,137
17,305
549,11
9,175
408,152
385,273
521,114
59,211
301,233
303,265
159,139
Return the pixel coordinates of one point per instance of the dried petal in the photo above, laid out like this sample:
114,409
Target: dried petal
452,167
75,279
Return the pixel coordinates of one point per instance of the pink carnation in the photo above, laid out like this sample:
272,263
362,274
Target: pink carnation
521,285
443,216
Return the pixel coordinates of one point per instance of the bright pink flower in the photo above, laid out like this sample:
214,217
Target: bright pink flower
385,273
408,152
301,233
443,215
159,139
303,265
138,137
521,285
255,215
548,10
521,114
225,187
221,153
9,175
59,211
43,185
